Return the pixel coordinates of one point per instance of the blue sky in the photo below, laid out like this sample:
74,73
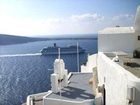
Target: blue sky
53,17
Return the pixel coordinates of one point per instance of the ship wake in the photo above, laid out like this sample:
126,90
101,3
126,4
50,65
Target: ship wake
20,55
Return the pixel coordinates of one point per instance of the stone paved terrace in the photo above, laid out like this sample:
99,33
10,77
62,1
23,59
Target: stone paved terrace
78,89
129,63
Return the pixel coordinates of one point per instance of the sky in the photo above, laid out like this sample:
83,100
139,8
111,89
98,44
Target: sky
61,17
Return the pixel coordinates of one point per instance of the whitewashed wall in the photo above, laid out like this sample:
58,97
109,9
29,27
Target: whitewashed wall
91,63
116,80
116,42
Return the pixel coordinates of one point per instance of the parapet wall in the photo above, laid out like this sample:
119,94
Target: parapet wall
117,80
91,63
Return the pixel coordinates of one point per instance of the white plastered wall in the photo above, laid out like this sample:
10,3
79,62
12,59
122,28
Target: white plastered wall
90,64
116,42
116,80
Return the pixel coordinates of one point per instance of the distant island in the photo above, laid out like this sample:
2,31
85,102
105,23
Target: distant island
12,39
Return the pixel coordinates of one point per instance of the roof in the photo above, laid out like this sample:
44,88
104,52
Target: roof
78,89
116,30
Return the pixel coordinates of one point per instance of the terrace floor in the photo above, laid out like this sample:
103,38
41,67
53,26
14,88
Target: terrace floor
78,89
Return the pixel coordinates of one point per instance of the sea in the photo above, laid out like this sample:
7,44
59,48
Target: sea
24,71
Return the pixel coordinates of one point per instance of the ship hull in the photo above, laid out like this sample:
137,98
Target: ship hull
64,53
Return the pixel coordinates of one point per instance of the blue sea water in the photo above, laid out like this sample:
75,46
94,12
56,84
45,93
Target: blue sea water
21,76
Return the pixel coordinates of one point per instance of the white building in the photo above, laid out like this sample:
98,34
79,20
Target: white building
118,71
121,79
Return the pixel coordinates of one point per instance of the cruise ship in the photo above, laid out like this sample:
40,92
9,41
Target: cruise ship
110,77
64,50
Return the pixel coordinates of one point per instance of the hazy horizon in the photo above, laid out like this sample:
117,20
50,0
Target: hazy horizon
57,36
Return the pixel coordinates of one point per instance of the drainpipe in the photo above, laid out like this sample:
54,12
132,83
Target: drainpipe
131,91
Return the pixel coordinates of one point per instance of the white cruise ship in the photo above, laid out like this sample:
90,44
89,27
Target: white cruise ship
110,77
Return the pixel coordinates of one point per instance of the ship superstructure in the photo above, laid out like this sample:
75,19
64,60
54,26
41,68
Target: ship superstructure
64,50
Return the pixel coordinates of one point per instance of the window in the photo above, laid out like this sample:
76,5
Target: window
138,37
